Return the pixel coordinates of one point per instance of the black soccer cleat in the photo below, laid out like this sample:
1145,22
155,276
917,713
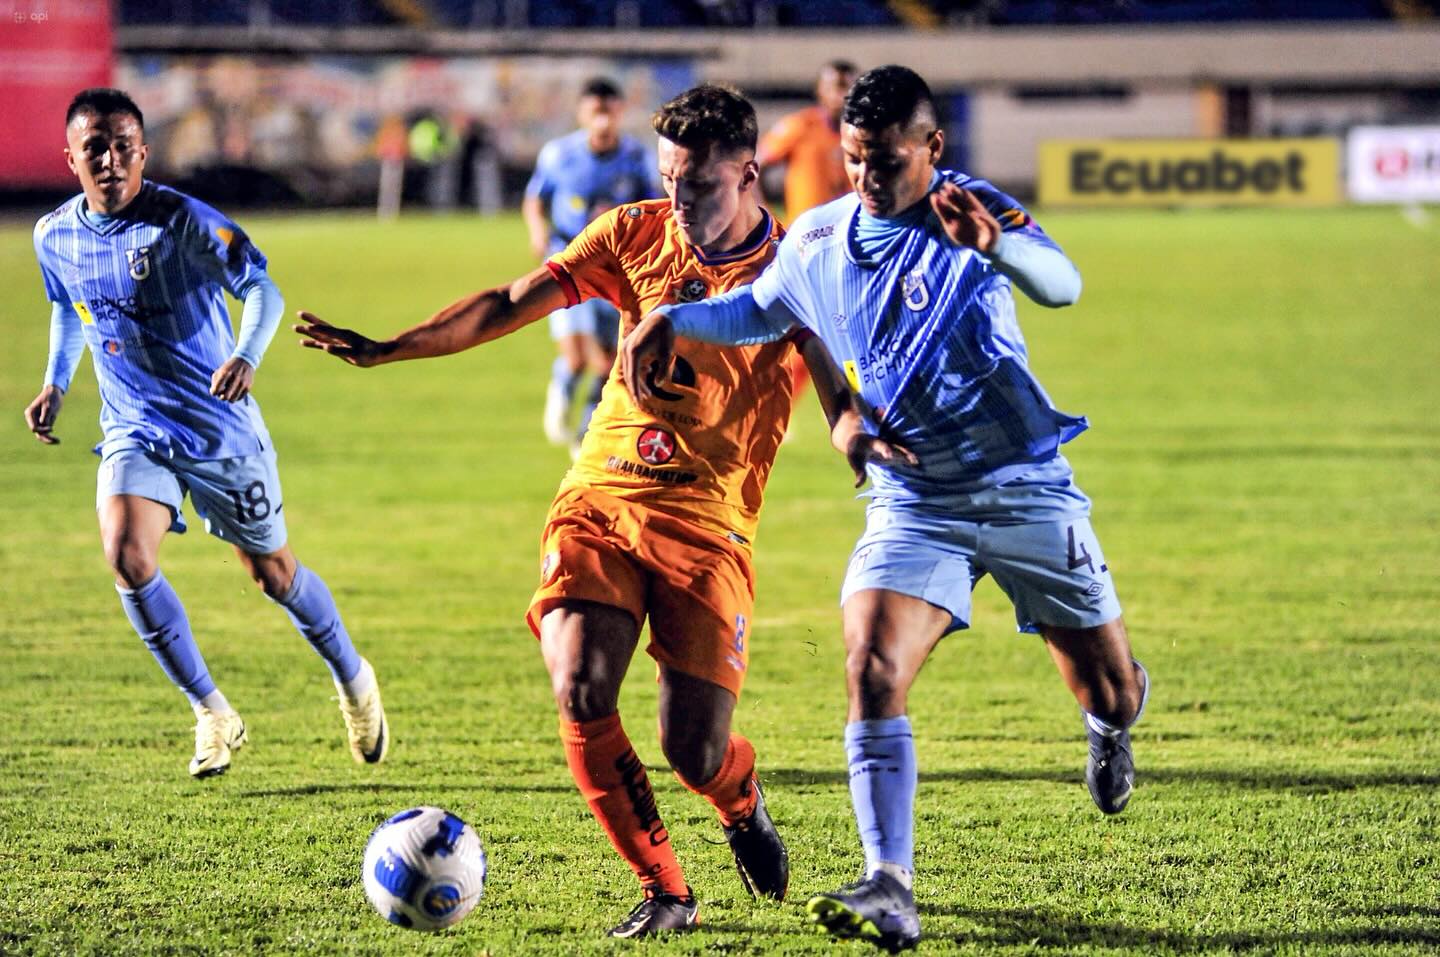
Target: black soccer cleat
760,854
879,909
1110,769
659,914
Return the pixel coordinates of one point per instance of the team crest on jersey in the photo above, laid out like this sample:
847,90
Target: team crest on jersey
549,567
655,446
691,290
139,260
917,297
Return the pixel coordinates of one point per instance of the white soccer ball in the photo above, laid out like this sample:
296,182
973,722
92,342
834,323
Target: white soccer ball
424,869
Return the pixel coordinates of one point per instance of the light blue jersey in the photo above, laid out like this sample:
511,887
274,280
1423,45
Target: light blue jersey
926,333
577,184
148,286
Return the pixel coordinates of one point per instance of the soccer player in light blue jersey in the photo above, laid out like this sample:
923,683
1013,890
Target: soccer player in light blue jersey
908,283
138,273
577,177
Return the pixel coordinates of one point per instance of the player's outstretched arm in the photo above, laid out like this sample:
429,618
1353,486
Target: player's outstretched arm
733,318
41,413
464,324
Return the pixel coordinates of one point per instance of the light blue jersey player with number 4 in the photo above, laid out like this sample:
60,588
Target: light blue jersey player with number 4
908,283
138,273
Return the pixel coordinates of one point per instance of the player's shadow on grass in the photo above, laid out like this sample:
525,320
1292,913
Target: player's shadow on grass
1263,779
1048,929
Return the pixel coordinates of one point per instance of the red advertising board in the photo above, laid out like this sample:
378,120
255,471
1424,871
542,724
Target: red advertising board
49,51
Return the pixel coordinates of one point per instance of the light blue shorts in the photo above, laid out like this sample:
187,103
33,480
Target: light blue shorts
238,499
1032,534
593,317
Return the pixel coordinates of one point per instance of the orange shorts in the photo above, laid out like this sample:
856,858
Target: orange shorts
696,587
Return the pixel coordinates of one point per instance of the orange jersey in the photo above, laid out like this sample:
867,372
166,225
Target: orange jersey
704,451
810,147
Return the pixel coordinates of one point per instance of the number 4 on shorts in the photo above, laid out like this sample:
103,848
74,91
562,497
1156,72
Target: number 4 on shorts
1077,558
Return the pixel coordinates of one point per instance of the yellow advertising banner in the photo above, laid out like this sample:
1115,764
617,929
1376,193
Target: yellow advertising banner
1281,172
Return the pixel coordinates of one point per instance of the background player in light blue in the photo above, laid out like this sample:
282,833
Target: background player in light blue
908,283
577,177
138,272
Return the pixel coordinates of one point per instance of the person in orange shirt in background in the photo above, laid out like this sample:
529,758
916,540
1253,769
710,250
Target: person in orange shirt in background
808,143
656,517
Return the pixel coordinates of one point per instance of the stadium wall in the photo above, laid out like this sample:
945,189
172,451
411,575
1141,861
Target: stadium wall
308,105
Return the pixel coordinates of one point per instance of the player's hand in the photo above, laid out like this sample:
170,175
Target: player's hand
344,344
965,219
232,381
861,448
40,414
646,356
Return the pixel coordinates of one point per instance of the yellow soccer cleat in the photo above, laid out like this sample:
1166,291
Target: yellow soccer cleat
217,735
365,722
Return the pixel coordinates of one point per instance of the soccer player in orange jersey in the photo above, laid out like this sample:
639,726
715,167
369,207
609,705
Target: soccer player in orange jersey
656,517
808,143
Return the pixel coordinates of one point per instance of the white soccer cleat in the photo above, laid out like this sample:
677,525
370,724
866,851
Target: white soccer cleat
557,415
217,735
365,722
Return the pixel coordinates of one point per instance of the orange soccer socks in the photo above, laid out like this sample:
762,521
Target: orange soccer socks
730,789
613,781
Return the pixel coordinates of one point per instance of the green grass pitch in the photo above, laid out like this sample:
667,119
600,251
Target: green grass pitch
1265,463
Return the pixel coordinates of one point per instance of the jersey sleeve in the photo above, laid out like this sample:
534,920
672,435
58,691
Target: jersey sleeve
589,267
1013,217
781,289
54,288
220,248
731,319
542,181
67,345
1033,261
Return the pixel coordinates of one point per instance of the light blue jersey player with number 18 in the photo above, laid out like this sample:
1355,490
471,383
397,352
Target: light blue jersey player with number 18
908,283
138,273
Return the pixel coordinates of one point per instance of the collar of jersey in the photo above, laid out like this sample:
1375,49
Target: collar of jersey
112,223
852,222
742,251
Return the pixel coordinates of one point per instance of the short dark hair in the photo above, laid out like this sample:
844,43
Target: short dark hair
885,96
708,115
102,101
840,66
603,87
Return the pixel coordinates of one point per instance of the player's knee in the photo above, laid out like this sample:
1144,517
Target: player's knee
872,675
695,757
273,574
578,695
130,560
